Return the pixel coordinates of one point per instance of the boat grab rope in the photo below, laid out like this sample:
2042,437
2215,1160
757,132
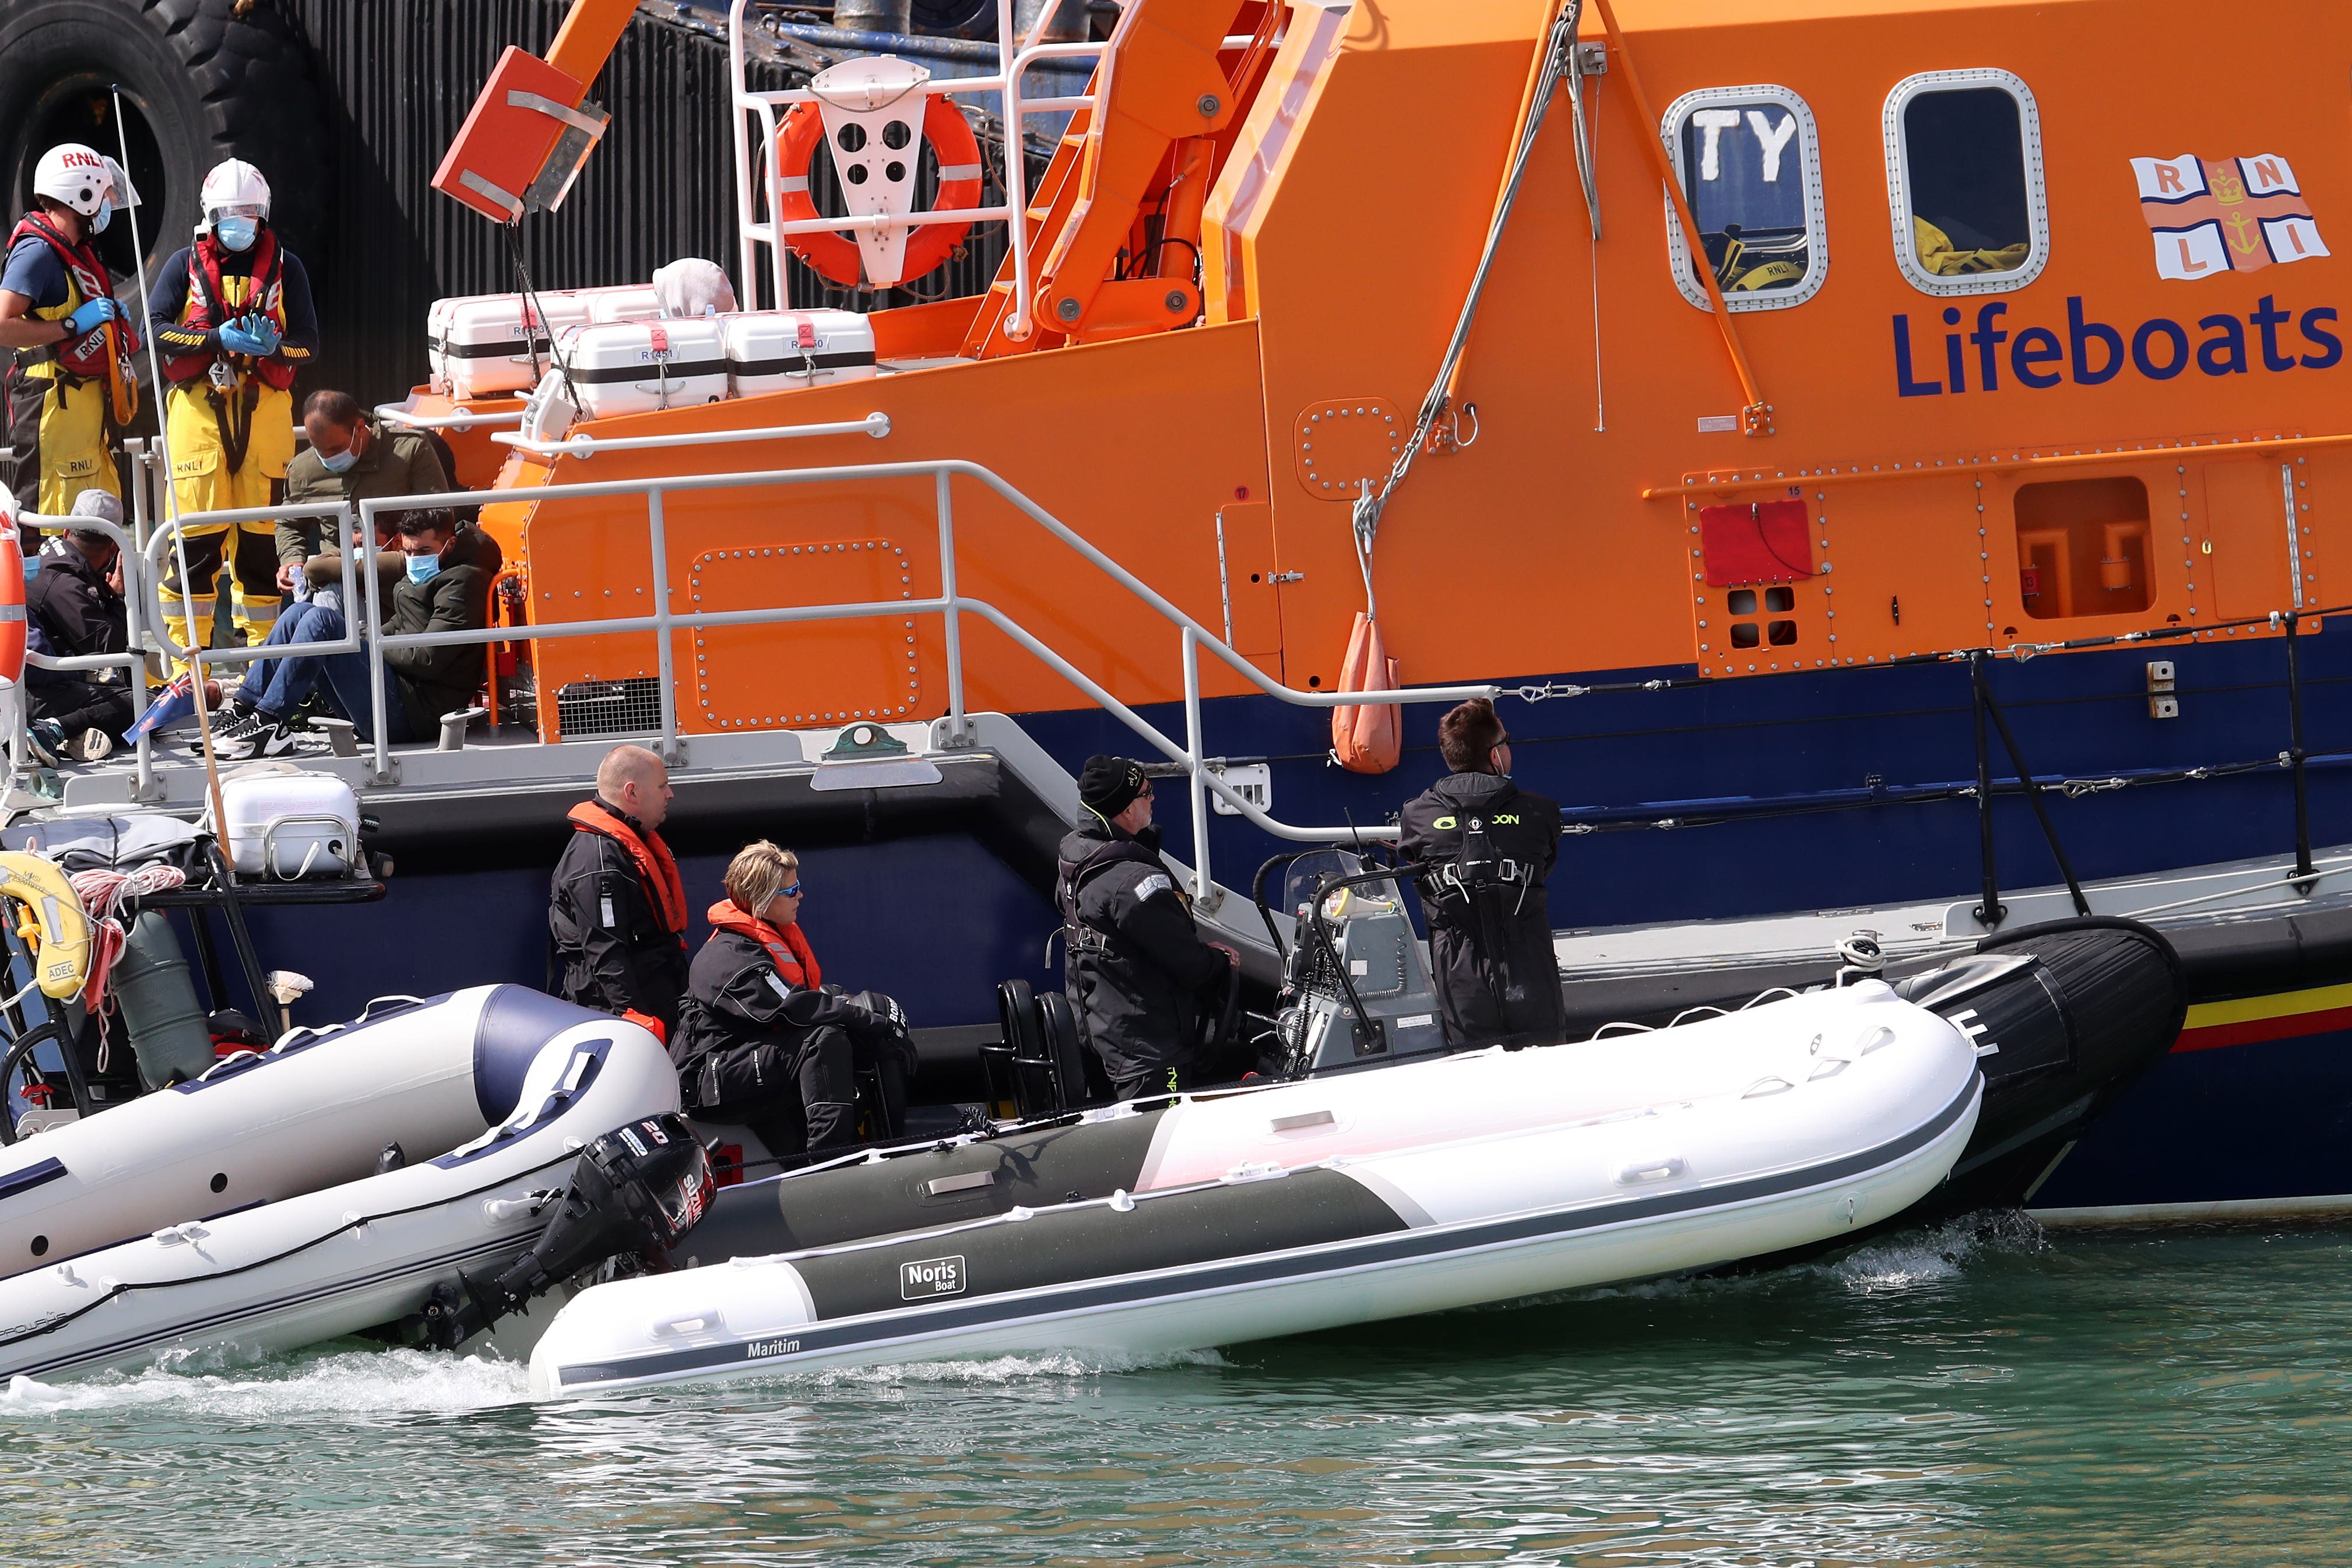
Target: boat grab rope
119,1287
1560,60
101,892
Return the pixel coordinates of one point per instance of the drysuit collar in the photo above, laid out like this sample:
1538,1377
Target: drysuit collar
1479,789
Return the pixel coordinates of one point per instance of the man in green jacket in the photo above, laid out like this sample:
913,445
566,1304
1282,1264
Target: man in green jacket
351,457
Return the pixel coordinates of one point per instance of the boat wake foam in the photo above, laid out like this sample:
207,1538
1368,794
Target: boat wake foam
1002,1369
349,1384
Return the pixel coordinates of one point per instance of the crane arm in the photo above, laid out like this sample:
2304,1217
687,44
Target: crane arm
589,35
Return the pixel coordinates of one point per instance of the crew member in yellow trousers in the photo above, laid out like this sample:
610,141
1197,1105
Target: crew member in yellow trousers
233,318
71,386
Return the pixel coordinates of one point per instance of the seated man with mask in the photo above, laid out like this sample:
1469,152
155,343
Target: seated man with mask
444,586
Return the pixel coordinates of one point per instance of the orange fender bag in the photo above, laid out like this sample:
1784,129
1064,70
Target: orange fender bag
1367,738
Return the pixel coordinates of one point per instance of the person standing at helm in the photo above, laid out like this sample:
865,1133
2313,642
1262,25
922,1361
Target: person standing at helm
1135,966
616,913
233,318
1486,846
71,386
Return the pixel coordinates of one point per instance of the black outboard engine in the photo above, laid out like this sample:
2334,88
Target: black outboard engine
637,1188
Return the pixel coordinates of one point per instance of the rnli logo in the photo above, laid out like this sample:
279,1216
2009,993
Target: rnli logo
2212,215
930,1277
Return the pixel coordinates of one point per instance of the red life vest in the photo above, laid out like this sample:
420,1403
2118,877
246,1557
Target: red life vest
204,311
795,960
86,357
656,866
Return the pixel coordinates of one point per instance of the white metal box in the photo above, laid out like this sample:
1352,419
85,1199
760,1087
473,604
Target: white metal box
291,825
634,367
772,351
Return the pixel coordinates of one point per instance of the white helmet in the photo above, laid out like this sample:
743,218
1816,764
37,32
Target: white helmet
235,188
76,175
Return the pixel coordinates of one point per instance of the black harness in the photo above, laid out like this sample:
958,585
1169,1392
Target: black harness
1477,869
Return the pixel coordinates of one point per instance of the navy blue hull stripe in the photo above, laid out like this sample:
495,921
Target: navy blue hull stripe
39,1173
1404,1247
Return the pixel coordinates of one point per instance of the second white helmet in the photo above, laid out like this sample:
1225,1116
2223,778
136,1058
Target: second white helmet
235,187
77,175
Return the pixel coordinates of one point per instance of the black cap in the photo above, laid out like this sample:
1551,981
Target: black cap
1110,785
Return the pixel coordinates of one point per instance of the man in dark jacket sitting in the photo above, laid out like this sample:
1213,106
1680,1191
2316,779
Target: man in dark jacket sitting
1135,965
75,608
1489,845
616,905
763,1040
446,587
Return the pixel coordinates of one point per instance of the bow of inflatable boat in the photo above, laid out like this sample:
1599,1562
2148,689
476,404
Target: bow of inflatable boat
1419,1188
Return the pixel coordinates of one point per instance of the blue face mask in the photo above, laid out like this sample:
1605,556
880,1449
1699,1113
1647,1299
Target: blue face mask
104,215
237,233
422,568
341,462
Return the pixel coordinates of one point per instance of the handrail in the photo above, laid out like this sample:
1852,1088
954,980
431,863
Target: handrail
763,179
465,419
875,424
1734,480
132,661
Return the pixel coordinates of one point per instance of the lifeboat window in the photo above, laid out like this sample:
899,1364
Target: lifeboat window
1964,179
1781,634
2083,548
1743,634
1742,602
1751,169
1779,598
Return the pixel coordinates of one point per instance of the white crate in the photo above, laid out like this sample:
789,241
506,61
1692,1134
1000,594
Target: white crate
773,350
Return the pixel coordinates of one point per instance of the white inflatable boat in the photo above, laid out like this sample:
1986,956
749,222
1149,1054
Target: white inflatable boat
1417,1188
264,1216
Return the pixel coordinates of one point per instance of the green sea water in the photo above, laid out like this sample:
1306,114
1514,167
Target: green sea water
1977,1394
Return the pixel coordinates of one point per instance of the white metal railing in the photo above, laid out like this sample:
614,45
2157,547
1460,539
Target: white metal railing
757,174
364,632
464,419
132,661
875,424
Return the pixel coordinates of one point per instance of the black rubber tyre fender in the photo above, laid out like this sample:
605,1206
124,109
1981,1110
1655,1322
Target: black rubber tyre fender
200,83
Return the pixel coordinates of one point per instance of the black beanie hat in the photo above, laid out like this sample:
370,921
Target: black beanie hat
1110,785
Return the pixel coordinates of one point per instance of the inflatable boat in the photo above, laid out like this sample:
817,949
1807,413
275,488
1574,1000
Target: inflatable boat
323,1187
1478,1177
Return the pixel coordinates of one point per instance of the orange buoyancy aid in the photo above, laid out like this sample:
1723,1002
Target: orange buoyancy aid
795,960
90,356
656,865
204,311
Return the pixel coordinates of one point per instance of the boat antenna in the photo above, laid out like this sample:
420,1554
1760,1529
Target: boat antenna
171,498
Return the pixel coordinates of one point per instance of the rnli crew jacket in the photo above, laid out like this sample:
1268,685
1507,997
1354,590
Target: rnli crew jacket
614,949
1497,975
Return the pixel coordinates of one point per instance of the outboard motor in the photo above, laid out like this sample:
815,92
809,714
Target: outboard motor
637,1188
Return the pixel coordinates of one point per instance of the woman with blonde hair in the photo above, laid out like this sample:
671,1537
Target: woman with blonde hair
761,1040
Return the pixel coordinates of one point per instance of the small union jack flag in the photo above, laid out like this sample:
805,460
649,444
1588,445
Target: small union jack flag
2213,215
174,703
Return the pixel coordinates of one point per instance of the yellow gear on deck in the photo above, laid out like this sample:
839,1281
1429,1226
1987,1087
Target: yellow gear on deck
60,951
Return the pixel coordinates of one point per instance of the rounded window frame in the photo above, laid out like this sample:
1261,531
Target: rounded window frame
1817,228
1898,183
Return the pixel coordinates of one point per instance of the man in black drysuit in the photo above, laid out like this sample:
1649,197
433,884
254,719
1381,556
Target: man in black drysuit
1489,845
1135,966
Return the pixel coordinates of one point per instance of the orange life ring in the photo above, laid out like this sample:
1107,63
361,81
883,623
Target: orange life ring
834,255
12,605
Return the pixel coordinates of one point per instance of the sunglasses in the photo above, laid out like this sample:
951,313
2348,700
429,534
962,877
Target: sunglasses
792,892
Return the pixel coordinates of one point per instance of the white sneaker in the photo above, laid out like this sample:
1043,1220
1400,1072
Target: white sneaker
90,746
265,738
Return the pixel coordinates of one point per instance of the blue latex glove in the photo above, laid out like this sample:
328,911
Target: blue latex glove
92,316
254,335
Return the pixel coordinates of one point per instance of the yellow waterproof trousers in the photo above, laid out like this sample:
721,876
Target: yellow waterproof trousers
204,480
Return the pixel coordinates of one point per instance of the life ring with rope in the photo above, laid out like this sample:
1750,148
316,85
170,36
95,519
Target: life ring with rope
836,257
12,599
